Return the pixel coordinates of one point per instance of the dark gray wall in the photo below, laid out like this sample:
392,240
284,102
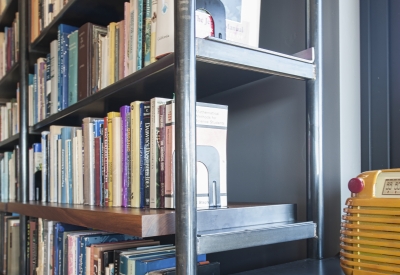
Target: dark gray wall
267,137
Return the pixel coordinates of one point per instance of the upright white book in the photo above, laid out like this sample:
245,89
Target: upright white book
31,176
165,28
55,131
79,158
54,76
117,161
45,165
59,168
155,103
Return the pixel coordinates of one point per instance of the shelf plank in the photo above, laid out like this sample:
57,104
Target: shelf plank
9,143
216,72
250,236
3,207
76,13
8,15
154,222
8,83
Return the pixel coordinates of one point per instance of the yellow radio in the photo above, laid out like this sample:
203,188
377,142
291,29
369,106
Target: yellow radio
370,233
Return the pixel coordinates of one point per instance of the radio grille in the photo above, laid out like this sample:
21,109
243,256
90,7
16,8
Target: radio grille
370,239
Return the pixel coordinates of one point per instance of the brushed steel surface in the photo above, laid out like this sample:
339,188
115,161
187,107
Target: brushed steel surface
249,236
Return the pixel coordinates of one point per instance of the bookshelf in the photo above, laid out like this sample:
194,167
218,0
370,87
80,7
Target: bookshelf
8,83
219,66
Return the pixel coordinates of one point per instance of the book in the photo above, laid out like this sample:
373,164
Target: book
147,32
111,53
110,117
133,36
54,77
65,135
13,248
170,147
73,68
125,112
161,195
135,154
155,200
48,85
45,165
97,168
202,269
63,58
146,137
140,18
154,8
105,161
88,58
33,247
165,28
116,163
54,195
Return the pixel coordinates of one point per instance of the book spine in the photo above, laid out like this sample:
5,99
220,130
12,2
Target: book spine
35,94
88,180
28,246
116,167
146,146
63,176
127,21
129,156
105,161
147,31
135,173
165,30
53,160
80,157
69,171
139,56
162,156
84,62
64,69
124,110
54,77
169,149
121,50
48,85
111,53
116,53
73,68
45,165
60,71
101,172
97,169
154,4
132,51
141,157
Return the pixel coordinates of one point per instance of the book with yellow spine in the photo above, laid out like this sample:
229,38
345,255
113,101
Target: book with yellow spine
135,154
110,116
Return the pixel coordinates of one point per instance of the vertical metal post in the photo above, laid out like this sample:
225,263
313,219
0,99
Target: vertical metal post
185,127
23,126
315,199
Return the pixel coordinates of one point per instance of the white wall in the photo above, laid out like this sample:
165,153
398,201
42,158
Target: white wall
350,118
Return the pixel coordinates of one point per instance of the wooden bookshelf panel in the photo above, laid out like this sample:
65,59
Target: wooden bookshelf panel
76,13
8,15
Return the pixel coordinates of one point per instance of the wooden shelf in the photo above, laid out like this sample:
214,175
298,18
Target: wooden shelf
217,71
8,83
154,222
8,15
76,13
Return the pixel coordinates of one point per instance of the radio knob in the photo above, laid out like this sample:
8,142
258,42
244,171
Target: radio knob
356,185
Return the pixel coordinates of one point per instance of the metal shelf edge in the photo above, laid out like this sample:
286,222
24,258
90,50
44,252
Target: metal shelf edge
231,239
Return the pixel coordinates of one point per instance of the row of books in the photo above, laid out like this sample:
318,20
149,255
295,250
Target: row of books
9,47
128,158
42,13
9,119
9,167
55,248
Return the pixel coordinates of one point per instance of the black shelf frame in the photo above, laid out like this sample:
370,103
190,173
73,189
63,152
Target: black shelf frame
8,83
8,15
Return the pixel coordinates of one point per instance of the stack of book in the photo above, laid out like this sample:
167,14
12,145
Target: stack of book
128,158
9,47
9,167
9,119
58,248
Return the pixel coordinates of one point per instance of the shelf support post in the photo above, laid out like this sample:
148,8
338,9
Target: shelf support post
185,129
23,128
315,199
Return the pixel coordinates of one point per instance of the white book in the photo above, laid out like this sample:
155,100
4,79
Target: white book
13,249
46,13
48,246
165,28
55,131
116,165
31,176
133,36
59,168
88,149
54,76
74,157
105,61
80,167
45,165
135,154
155,103
39,269
66,170
11,178
107,270
30,108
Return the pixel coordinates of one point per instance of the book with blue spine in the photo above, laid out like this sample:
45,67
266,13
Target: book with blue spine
124,110
48,85
65,135
85,241
45,164
35,94
58,246
73,68
147,264
125,257
147,35
140,36
62,38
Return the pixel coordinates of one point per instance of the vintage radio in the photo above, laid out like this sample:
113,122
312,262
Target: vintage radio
370,233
